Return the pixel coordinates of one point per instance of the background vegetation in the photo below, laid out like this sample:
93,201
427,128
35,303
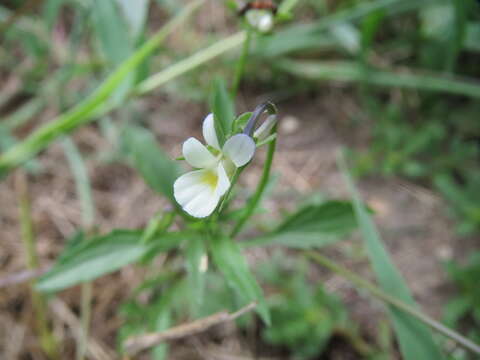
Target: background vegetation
96,98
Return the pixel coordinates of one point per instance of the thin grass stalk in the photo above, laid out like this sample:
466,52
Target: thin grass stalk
379,294
349,71
242,61
84,193
47,339
190,63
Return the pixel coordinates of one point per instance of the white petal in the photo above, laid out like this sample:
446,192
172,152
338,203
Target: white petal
209,133
202,205
197,154
265,23
188,185
223,182
240,149
197,197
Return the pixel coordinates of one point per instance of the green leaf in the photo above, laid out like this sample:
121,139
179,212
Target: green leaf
158,171
111,31
135,13
350,71
230,261
99,256
241,121
223,111
313,225
303,36
82,182
115,41
414,337
195,251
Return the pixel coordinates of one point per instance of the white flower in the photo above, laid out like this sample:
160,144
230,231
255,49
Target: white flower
199,191
262,20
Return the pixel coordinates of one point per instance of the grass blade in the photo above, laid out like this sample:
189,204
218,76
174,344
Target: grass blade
82,182
350,71
414,338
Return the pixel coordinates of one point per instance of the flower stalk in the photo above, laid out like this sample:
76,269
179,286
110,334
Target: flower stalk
271,109
47,339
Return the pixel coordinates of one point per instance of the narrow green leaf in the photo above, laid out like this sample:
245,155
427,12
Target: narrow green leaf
230,261
350,71
303,36
311,226
115,41
195,251
82,182
414,337
223,111
158,171
99,256
135,12
111,31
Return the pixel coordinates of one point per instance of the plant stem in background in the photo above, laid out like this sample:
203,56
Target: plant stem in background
242,61
47,339
350,71
84,193
190,63
379,294
253,203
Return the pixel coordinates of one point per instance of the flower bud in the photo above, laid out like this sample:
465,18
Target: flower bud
261,20
264,130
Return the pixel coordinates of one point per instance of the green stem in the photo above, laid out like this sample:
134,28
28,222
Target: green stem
190,63
379,294
242,61
47,339
85,316
236,175
253,203
356,341
84,193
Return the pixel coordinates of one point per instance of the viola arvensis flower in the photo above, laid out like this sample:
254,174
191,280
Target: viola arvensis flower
199,191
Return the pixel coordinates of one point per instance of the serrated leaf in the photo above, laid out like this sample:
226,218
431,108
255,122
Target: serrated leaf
158,171
415,338
313,225
99,256
231,262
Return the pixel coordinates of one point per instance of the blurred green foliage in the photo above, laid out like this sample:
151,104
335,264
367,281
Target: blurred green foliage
463,309
304,316
415,67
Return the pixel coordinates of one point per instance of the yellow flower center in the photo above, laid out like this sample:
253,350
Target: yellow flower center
210,178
